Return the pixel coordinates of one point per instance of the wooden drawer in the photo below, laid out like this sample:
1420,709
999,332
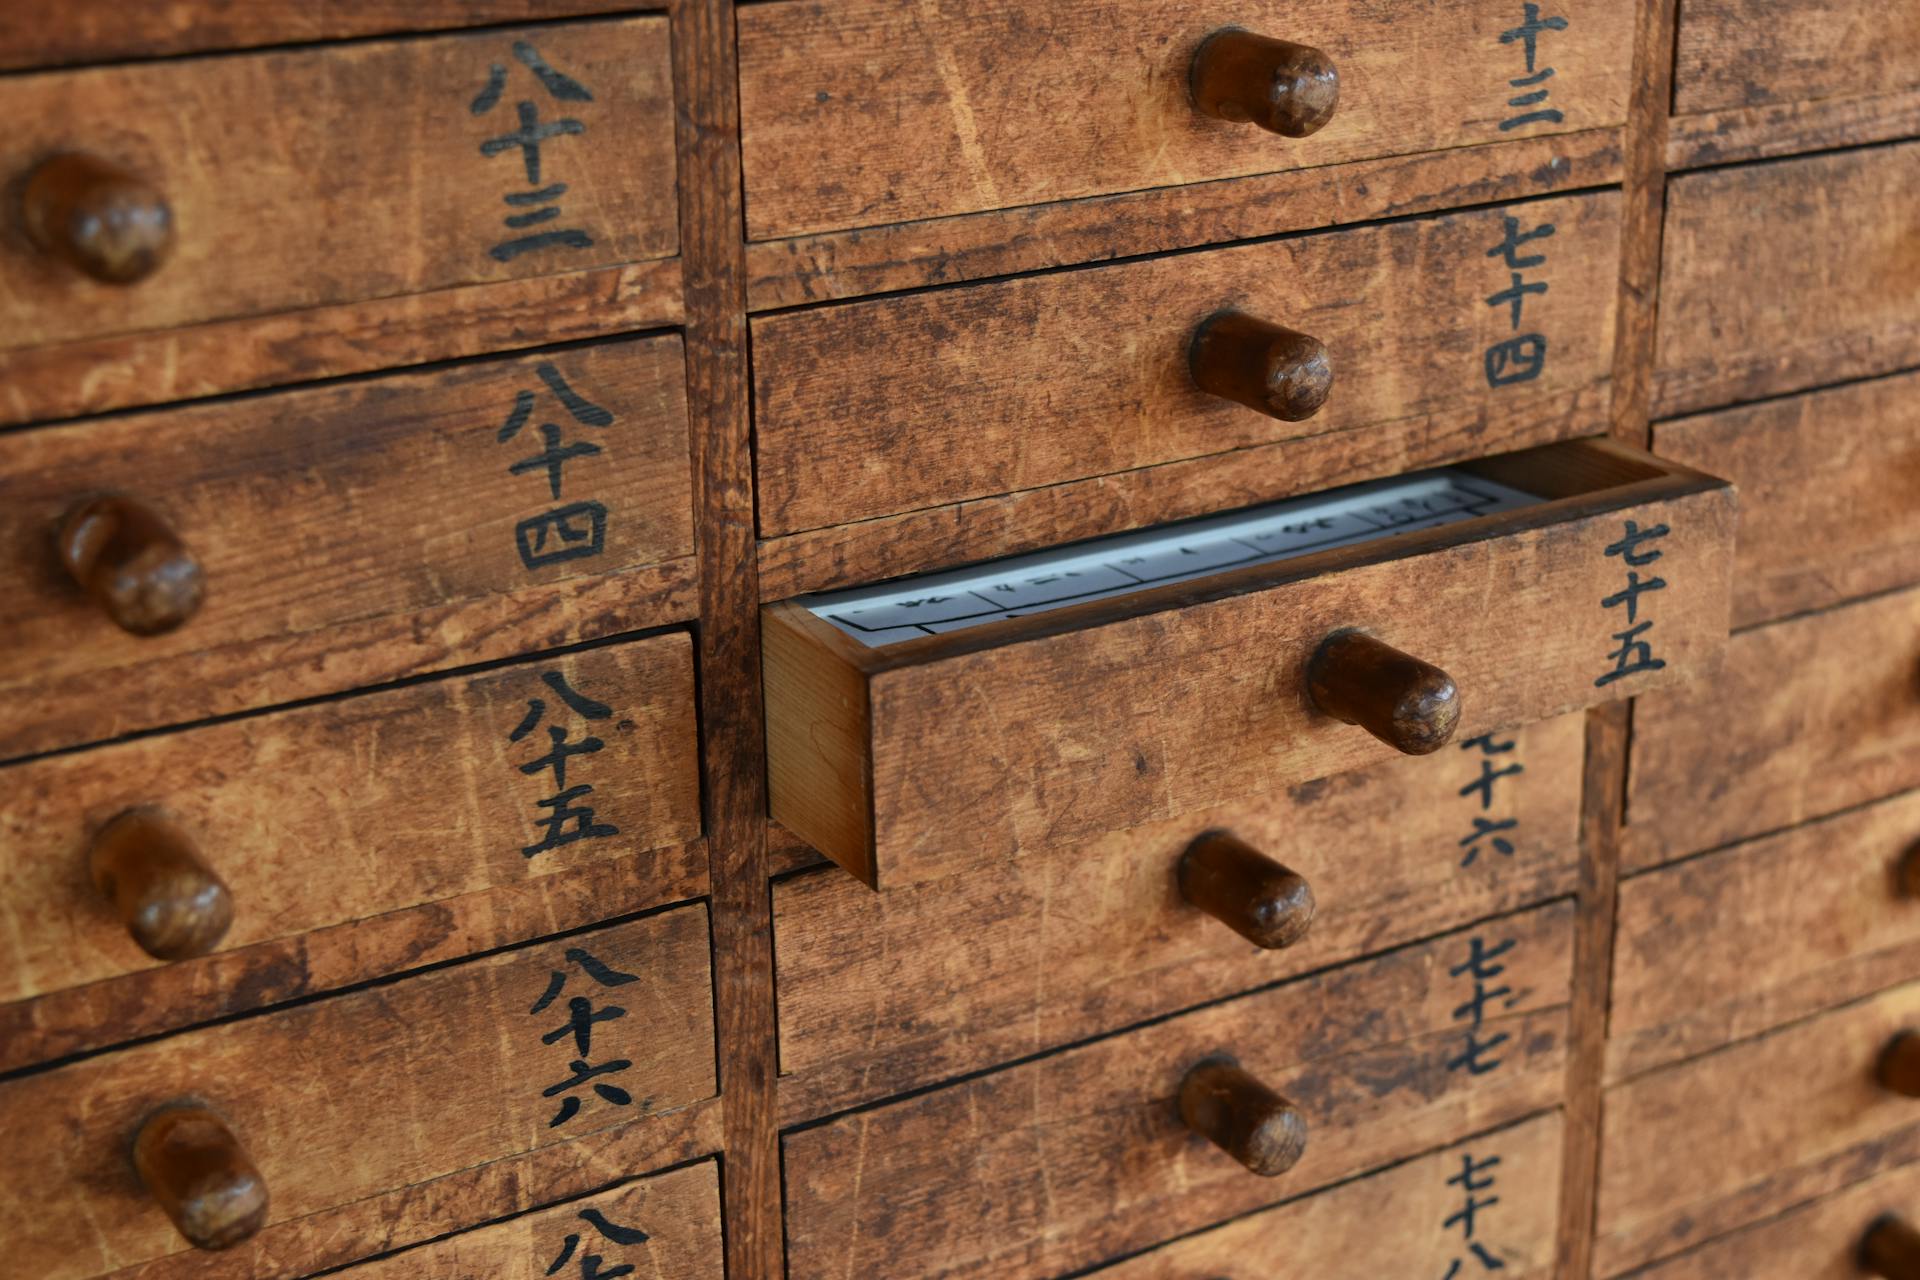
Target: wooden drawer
921,400
1733,54
675,1215
880,994
1065,1161
1826,484
351,534
861,112
1827,712
1405,1221
1764,932
276,206
352,838
1695,1150
1844,304
1143,706
371,1092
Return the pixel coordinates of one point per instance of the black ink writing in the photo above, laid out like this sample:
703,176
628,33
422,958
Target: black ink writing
527,141
1523,356
1633,652
582,1018
1480,966
578,529
568,819
1530,103
1491,830
1475,1177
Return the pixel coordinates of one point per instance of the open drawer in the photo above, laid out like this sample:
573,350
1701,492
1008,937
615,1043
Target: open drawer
1052,697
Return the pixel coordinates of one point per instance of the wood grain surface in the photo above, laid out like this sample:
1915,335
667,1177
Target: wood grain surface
1743,53
993,959
860,112
349,1097
1074,1158
351,534
1790,128
871,408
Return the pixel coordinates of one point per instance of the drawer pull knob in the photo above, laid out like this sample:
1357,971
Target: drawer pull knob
1408,704
1250,1122
133,565
1285,88
1899,1066
201,1176
171,901
107,222
1279,372
1891,1249
1264,902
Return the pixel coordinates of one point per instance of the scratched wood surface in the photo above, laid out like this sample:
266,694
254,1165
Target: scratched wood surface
676,1213
1392,1223
1698,1149
1790,128
1743,53
449,1068
1826,484
1804,718
1074,1158
1111,716
861,112
870,408
342,174
1844,303
1765,932
878,993
349,534
338,813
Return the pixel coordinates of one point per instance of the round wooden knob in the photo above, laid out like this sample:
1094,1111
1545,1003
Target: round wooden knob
1410,705
171,901
201,1176
1899,1065
1250,1122
1269,905
128,559
1281,373
107,222
1891,1249
1285,88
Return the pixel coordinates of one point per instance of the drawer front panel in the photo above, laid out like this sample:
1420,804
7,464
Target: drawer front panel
1826,486
862,112
1749,53
1058,1163
452,1069
298,179
346,811
351,534
1827,712
1845,303
1764,932
871,408
1695,1150
1405,1221
880,993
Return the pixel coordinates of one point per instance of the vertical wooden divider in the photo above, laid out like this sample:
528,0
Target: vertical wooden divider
713,254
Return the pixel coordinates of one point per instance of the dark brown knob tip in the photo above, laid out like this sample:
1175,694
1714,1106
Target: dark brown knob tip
1281,373
131,563
1891,1249
107,222
1285,88
1909,872
1410,705
201,1176
1262,901
1899,1067
171,901
1244,1118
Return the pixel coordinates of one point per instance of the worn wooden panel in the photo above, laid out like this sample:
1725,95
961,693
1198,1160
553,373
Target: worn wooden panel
1745,53
1398,1222
880,993
860,112
1843,303
378,524
1764,933
1790,128
349,810
871,408
1070,1159
1695,1150
336,175
1804,718
1827,483
678,1214
447,1069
